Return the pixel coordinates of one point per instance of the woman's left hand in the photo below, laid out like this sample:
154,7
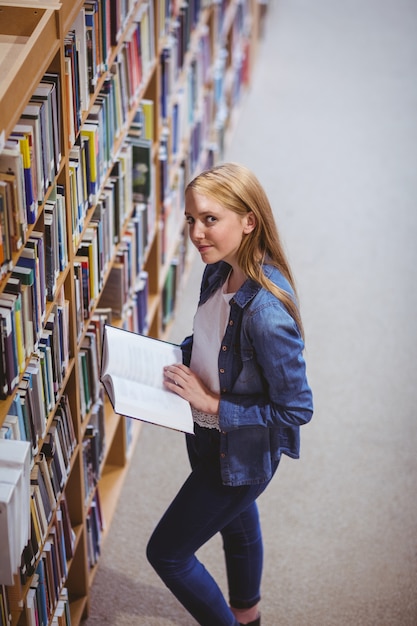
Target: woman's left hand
182,381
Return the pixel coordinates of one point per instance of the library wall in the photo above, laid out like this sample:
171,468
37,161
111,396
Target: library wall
107,109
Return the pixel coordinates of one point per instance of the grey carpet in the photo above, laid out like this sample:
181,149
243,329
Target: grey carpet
330,127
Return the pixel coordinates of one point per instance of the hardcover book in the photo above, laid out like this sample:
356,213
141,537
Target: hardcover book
132,375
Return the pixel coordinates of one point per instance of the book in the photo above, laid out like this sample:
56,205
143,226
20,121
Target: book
142,168
12,292
29,258
12,175
26,277
32,116
8,349
23,137
8,566
132,375
46,93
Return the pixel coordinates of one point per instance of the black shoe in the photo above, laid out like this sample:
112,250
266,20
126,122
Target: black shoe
256,622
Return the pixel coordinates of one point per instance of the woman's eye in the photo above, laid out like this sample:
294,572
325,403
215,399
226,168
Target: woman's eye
211,219
189,219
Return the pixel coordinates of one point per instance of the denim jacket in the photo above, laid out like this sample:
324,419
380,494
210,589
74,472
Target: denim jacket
265,396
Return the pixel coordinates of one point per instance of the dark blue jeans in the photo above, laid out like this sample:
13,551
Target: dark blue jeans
203,507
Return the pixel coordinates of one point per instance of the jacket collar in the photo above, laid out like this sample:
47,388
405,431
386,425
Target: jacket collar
247,291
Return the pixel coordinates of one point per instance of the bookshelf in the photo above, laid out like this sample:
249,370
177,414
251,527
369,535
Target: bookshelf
107,109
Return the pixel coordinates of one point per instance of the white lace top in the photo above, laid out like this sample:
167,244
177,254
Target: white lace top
210,323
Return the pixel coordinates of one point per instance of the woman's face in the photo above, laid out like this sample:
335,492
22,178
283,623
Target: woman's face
215,231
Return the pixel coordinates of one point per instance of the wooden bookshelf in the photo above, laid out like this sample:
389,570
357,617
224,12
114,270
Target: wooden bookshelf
102,124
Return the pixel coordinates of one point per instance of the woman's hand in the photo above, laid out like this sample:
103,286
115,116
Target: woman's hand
182,381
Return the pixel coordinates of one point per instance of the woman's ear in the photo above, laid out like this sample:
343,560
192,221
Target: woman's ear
250,223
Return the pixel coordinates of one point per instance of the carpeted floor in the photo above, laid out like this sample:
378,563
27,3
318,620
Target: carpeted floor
330,128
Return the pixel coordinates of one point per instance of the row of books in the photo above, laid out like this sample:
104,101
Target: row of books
171,286
88,61
30,285
121,280
44,561
50,472
193,108
29,162
196,108
47,600
34,612
88,169
97,177
46,480
94,443
189,105
39,386
197,69
95,527
89,355
127,301
130,304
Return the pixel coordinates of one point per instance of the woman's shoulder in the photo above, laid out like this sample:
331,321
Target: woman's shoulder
276,276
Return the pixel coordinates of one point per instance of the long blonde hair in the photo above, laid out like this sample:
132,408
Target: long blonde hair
238,189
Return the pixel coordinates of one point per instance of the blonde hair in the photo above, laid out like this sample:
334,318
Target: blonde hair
238,189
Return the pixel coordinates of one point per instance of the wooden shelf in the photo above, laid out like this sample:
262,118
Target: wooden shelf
27,34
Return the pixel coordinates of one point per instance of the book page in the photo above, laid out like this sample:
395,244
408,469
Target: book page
132,374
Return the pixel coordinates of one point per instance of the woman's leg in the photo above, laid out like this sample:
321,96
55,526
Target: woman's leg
202,508
243,548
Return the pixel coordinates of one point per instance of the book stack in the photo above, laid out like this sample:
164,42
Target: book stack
14,506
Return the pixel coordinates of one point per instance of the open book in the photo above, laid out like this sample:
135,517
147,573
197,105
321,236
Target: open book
132,374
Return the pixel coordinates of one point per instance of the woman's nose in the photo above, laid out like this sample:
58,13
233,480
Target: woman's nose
198,231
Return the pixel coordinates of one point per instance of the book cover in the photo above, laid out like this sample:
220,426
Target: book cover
142,170
26,277
44,93
15,459
26,406
9,346
12,174
91,132
8,565
15,300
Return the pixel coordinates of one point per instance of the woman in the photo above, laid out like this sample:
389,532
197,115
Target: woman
244,376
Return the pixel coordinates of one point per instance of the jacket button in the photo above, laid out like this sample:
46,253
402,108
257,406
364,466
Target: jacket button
224,348
222,455
231,323
221,370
